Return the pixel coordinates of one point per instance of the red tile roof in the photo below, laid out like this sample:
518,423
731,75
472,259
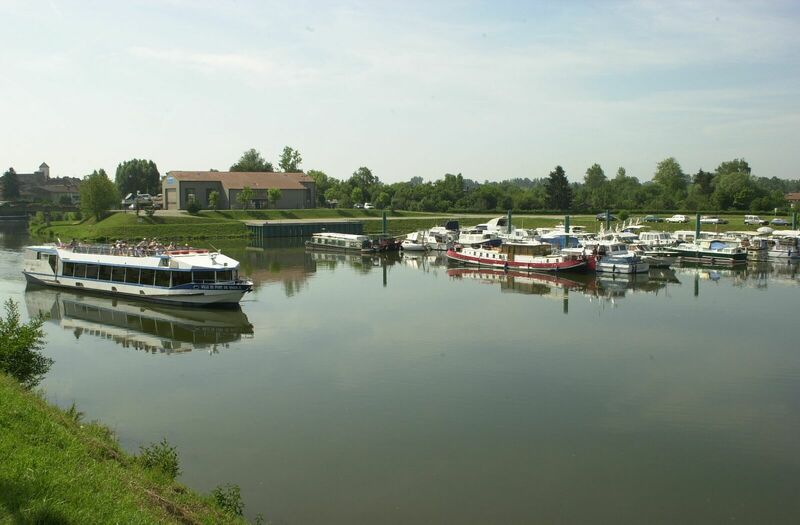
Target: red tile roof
239,179
793,196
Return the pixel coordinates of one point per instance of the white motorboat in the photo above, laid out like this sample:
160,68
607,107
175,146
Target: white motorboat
784,248
415,242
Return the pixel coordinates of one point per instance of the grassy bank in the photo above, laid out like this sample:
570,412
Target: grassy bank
229,223
54,469
314,213
128,226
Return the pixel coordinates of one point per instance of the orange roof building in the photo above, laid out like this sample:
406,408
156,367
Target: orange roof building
297,190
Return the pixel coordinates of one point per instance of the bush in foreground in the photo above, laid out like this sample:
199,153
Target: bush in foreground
20,346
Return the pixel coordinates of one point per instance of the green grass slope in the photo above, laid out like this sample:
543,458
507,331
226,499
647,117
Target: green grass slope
128,226
54,469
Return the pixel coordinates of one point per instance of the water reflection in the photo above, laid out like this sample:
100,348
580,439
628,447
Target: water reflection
140,326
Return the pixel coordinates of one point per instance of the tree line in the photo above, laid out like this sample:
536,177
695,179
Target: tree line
731,186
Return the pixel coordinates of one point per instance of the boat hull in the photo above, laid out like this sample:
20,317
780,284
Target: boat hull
556,266
711,256
201,295
622,267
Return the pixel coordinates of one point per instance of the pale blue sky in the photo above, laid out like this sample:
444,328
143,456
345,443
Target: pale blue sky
489,89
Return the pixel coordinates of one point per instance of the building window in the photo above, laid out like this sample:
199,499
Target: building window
190,195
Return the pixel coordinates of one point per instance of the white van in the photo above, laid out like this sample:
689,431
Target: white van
755,220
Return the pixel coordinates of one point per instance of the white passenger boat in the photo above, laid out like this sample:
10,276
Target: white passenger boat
191,277
330,241
609,256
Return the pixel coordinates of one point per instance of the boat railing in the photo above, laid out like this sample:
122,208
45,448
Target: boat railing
112,249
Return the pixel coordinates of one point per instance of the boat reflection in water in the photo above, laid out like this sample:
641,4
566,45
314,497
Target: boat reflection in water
141,326
604,287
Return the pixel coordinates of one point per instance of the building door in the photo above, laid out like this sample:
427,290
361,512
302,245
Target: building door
171,202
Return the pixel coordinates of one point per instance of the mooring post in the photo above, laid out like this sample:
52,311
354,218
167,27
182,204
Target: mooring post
697,227
566,223
385,225
508,226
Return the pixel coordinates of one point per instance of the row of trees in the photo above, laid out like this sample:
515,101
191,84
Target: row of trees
731,186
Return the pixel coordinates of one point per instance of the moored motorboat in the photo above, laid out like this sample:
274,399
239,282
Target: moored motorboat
712,251
415,242
785,248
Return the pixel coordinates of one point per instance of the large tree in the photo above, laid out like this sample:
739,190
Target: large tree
559,194
251,160
364,179
98,194
734,186
595,188
290,160
671,182
10,185
138,175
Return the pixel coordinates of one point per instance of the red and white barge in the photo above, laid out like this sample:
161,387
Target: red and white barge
530,257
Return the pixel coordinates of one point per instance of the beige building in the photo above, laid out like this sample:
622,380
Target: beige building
298,190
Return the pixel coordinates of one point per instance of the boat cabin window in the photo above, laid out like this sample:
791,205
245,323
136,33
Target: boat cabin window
52,260
68,269
162,278
203,276
224,276
104,273
118,274
147,276
132,275
179,278
91,271
80,270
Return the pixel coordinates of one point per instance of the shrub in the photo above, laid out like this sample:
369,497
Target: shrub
160,456
623,215
229,499
20,345
194,207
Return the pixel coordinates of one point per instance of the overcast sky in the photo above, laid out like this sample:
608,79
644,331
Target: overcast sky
492,90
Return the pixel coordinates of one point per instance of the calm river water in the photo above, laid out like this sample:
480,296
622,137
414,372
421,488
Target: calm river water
368,390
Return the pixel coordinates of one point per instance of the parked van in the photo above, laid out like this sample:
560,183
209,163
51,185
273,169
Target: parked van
755,220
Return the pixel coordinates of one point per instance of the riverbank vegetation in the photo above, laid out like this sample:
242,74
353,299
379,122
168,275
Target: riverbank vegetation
57,469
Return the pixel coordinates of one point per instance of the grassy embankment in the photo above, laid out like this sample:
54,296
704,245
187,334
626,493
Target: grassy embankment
54,469
230,223
128,227
315,213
